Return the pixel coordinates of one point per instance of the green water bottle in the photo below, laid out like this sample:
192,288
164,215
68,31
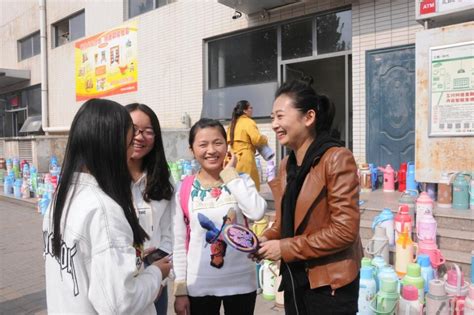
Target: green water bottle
414,278
387,297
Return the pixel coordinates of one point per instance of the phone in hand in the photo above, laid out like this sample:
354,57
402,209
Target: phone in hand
155,255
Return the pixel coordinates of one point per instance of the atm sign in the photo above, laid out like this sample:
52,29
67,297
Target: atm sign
427,6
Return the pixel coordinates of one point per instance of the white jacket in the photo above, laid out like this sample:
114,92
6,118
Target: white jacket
99,271
154,217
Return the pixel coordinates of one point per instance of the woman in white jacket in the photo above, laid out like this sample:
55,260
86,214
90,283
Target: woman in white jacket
152,190
93,241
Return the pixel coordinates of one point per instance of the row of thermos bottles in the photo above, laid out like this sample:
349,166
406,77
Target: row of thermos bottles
453,189
414,284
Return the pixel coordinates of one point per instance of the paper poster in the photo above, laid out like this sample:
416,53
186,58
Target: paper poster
106,64
452,90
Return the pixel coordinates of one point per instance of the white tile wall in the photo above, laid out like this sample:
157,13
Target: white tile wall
170,49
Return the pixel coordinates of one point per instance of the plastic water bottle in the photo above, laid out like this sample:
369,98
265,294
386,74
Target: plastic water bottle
8,185
413,277
427,272
367,290
409,303
17,188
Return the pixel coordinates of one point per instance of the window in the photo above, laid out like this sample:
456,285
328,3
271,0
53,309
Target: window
29,46
137,7
334,32
297,39
248,58
69,29
17,107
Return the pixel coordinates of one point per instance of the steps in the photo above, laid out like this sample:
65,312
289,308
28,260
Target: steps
455,233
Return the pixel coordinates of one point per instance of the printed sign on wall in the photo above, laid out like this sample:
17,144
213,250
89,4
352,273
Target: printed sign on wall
452,90
106,64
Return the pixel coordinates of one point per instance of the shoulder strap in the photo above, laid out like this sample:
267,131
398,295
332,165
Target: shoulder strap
184,194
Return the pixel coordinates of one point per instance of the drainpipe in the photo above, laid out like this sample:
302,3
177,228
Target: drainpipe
44,73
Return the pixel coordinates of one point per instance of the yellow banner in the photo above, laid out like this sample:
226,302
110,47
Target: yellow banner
106,64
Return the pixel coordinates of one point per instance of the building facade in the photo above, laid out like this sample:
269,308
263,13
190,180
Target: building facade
198,58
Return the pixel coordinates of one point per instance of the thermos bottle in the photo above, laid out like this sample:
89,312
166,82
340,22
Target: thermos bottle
404,253
403,221
461,192
385,219
411,183
388,178
402,177
424,205
445,191
378,244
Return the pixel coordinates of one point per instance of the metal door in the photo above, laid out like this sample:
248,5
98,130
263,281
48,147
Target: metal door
390,98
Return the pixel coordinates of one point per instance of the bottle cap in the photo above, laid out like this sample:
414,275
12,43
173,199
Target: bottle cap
413,270
423,260
436,287
389,285
410,292
366,262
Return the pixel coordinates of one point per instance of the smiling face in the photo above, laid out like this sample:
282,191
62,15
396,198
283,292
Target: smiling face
144,139
292,127
209,149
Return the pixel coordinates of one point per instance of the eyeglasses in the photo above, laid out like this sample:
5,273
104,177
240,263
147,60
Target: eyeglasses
147,132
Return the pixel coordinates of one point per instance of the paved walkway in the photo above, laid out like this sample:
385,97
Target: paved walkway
22,289
22,283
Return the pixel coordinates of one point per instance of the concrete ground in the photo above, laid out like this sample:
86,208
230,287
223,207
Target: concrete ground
22,282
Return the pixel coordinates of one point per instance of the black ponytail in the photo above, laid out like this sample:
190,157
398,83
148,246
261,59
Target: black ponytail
305,98
236,113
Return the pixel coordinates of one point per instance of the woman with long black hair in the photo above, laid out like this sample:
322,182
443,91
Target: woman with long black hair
316,232
92,237
152,189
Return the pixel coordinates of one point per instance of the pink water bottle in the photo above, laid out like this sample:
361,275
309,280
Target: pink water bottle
426,228
424,205
388,178
402,221
429,247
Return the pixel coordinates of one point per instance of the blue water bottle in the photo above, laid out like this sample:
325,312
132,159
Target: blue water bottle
427,272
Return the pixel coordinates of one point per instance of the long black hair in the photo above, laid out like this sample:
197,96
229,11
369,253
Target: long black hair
305,98
158,185
98,145
238,111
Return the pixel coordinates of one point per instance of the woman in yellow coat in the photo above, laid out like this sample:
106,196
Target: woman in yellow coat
244,138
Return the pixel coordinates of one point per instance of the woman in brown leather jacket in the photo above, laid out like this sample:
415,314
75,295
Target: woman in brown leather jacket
316,232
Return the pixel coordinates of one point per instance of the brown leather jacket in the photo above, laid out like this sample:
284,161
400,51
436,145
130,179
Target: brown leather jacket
330,243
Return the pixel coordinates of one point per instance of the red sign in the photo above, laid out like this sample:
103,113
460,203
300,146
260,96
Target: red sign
427,6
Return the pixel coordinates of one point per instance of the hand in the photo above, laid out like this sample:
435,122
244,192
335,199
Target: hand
270,250
165,265
147,251
255,256
182,306
230,159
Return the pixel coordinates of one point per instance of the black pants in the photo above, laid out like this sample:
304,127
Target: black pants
322,301
240,304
